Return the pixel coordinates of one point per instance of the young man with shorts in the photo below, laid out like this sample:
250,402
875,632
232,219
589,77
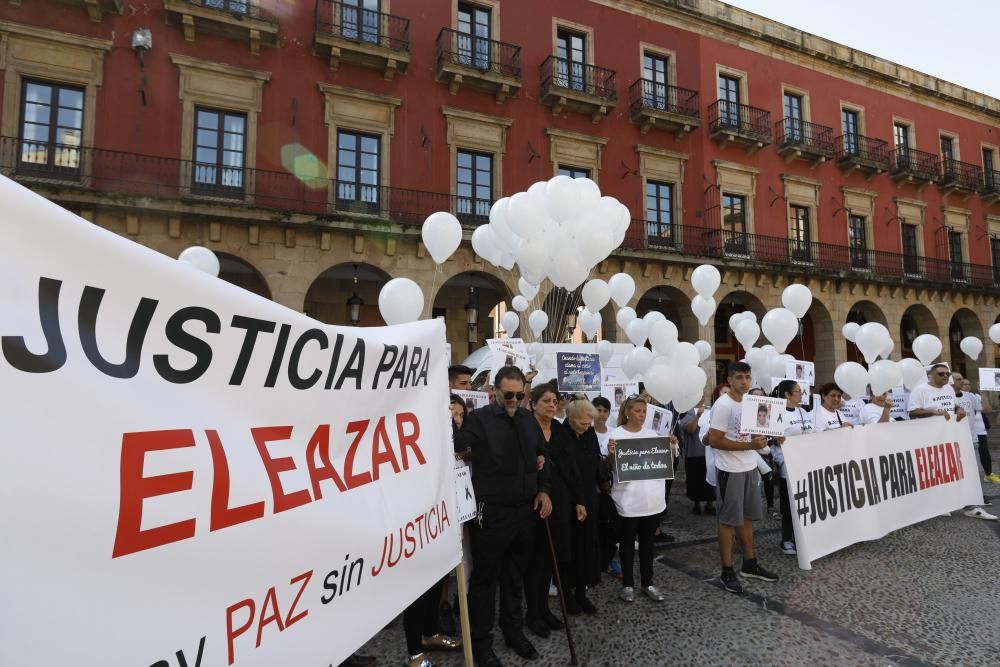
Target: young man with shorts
738,490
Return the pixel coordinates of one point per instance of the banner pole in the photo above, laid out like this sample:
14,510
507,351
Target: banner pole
463,614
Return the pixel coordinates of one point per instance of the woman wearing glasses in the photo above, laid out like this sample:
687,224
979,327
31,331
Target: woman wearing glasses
828,413
797,422
639,504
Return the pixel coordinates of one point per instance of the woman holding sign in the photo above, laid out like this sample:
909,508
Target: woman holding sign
797,422
639,503
828,413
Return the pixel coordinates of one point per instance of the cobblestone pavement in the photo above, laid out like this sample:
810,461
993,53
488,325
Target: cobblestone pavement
924,595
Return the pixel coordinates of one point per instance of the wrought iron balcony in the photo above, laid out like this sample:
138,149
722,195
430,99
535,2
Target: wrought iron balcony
960,176
239,19
740,124
96,8
661,106
578,87
363,37
798,139
665,237
991,192
913,166
856,152
477,62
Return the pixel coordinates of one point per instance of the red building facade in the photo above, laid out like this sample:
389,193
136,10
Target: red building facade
305,143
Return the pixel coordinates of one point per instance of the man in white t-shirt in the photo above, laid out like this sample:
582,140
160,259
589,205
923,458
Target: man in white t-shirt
879,410
937,399
738,490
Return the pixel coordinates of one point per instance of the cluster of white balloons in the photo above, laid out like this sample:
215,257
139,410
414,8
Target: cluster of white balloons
872,339
705,280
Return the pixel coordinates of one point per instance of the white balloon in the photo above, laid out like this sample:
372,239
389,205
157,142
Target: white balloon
622,288
971,346
663,335
685,402
703,308
588,193
637,361
780,326
871,340
537,321
887,350
685,354
654,316
927,348
482,244
625,316
883,375
519,303
539,189
400,301
596,295
690,379
441,234
510,321
734,321
913,372
704,349
705,280
850,330
527,289
607,350
200,258
995,333
747,333
561,198
589,322
797,298
749,316
660,382
852,378
524,214
536,350
507,261
637,331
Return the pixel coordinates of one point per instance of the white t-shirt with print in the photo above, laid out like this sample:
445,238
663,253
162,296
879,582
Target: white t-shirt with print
797,422
825,420
872,414
643,497
852,411
726,414
978,425
928,397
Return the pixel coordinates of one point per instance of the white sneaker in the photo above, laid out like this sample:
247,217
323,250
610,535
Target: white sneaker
653,593
628,594
553,591
979,513
788,548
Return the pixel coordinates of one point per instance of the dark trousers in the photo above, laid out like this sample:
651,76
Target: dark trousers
539,575
984,454
608,528
644,527
420,619
667,485
769,482
502,543
787,534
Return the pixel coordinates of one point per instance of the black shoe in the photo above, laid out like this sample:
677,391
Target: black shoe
486,658
551,620
663,538
586,605
446,620
358,660
538,627
573,607
753,569
731,582
522,647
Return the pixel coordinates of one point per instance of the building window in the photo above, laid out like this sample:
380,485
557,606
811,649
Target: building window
857,241
573,172
800,238
659,213
571,53
849,125
990,175
219,151
358,171
729,100
793,117
51,127
911,258
654,71
955,254
995,254
734,224
947,149
474,36
359,20
901,136
231,6
474,187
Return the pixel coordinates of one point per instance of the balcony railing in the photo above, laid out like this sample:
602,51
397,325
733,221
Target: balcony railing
578,77
730,117
648,94
992,180
910,162
364,26
479,53
961,175
238,7
809,136
859,148
665,236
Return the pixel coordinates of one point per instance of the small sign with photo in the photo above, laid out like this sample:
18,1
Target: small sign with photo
578,371
763,415
639,459
806,400
508,352
989,379
900,401
802,371
473,399
617,392
465,495
659,420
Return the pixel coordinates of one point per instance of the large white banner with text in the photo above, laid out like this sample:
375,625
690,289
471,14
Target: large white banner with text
194,475
850,485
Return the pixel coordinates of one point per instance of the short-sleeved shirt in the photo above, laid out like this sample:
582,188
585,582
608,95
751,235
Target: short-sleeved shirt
643,497
726,415
797,422
825,420
928,397
977,424
871,413
602,439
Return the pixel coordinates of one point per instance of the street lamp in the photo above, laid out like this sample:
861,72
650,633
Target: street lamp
571,322
355,302
472,314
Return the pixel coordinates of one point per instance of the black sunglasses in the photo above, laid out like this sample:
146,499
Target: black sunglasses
507,395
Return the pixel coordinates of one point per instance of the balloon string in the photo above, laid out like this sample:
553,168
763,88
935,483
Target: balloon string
437,270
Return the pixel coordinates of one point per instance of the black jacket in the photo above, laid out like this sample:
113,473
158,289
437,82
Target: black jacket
504,463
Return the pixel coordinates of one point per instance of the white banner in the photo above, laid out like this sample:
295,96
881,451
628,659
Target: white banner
197,475
851,485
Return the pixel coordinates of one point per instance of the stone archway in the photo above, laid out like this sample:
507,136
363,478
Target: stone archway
328,297
964,323
242,273
916,320
475,295
862,312
675,306
727,348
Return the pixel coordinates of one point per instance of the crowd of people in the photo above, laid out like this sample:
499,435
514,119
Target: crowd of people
550,513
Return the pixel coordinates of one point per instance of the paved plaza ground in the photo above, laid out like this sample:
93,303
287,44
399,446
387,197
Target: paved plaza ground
924,595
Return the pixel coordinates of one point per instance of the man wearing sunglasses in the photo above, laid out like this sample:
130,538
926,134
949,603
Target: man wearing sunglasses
506,443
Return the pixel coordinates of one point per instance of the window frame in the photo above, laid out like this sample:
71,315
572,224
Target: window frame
911,261
358,202
800,234
737,244
469,46
858,252
52,147
476,214
660,225
217,187
573,171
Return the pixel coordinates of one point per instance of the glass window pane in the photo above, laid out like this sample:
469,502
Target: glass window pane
35,92
369,162
208,119
34,132
347,140
232,159
464,160
345,173
206,138
71,98
205,155
67,137
369,145
233,142
36,113
70,118
235,124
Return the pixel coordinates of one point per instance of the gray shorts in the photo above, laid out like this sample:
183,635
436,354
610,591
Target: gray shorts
739,497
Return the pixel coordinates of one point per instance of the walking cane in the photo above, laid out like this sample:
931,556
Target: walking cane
562,598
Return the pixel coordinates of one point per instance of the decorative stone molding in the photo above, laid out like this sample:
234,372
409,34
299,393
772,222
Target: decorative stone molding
576,149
